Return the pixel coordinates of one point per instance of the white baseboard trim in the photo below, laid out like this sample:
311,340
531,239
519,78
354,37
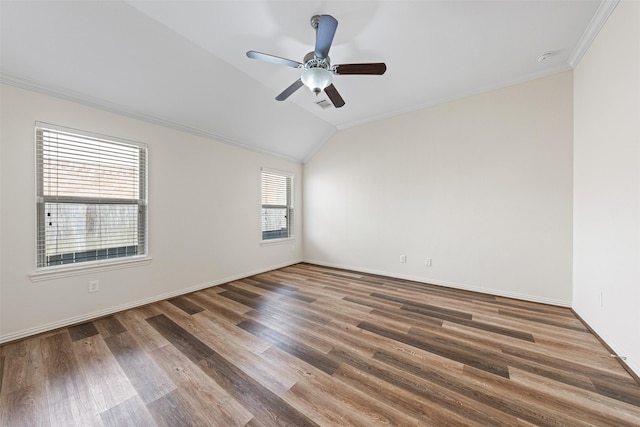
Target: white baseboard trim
617,350
107,311
461,286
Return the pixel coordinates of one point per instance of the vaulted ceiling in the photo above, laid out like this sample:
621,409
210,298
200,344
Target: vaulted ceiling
183,63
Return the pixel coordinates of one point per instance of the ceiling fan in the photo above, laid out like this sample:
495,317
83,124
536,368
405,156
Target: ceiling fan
317,71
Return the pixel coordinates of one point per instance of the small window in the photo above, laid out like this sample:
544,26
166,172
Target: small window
91,197
277,207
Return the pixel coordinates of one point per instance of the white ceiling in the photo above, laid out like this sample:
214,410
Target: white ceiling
183,63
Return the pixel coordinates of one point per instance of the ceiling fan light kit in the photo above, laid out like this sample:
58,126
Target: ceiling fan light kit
317,72
316,79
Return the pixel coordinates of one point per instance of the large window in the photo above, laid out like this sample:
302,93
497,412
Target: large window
277,207
91,197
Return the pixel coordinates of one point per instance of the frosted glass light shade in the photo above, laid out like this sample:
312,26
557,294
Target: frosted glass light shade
316,79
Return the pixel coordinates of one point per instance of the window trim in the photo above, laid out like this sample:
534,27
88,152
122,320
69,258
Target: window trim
86,267
73,269
279,240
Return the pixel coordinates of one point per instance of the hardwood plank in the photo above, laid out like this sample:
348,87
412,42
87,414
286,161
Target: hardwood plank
274,286
211,402
66,384
561,411
538,330
425,307
501,402
130,413
620,387
150,382
246,352
406,317
532,307
316,394
614,411
26,406
566,346
287,307
211,305
277,288
81,331
177,315
545,320
175,409
430,403
472,323
301,351
23,365
107,382
141,331
248,295
253,423
304,332
279,305
185,305
266,406
180,338
214,294
337,310
108,326
468,358
217,329
622,391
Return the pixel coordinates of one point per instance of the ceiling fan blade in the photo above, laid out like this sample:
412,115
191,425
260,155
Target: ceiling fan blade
377,68
334,96
288,91
273,59
324,35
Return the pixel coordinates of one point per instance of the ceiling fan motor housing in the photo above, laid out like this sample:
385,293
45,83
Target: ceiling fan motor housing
312,61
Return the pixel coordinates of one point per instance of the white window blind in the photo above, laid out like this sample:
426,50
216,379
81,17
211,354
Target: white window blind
91,197
277,207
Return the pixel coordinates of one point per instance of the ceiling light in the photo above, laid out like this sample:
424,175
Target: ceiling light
316,79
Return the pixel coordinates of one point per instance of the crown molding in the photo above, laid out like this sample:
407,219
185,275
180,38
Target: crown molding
597,22
118,109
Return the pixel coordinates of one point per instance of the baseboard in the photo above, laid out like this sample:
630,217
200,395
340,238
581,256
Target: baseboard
105,312
630,365
461,286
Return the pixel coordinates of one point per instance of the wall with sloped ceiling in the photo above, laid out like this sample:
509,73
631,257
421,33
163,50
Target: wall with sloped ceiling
481,187
204,218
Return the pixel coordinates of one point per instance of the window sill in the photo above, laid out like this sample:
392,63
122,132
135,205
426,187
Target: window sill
277,241
49,273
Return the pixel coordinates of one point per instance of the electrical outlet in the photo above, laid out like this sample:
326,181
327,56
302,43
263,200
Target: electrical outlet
94,285
403,259
601,300
427,262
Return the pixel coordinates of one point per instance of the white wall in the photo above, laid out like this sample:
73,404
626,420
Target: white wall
482,186
607,184
204,217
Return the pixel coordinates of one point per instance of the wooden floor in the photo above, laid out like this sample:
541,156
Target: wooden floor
308,345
